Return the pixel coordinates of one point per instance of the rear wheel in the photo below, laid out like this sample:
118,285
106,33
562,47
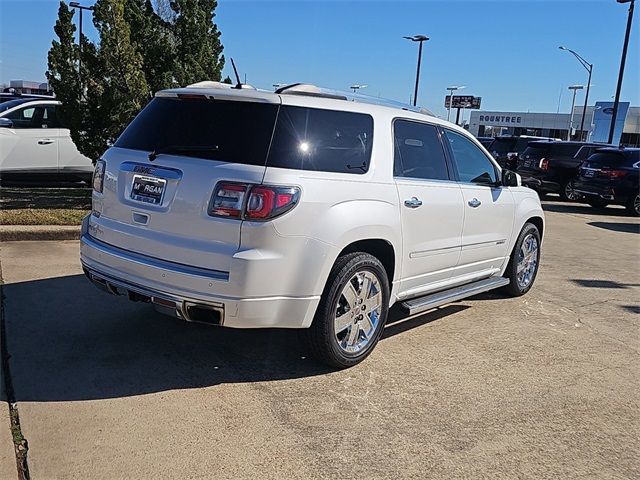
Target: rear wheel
352,312
633,205
597,202
568,193
524,262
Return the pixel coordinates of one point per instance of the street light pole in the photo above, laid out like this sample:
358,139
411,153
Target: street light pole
81,8
575,89
421,39
616,102
589,68
451,90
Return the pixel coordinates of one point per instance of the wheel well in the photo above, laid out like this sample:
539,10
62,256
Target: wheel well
538,222
381,249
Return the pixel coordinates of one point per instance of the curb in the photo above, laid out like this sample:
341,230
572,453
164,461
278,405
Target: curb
17,233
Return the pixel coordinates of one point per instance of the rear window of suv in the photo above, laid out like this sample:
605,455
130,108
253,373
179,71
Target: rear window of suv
247,132
236,132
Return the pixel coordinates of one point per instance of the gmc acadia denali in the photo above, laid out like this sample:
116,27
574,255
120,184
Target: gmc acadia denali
304,208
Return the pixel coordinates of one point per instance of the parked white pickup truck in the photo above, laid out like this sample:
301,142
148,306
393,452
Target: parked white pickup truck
301,209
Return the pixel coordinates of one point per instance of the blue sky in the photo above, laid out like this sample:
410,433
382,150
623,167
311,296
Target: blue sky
504,51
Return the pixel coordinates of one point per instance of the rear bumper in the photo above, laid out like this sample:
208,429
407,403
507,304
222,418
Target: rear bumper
187,292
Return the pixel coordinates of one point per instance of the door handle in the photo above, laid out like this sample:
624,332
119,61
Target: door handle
475,203
45,141
413,202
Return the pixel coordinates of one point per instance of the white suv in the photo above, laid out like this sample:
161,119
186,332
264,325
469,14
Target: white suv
300,209
35,146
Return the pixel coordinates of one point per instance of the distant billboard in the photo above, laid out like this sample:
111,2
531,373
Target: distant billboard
463,101
602,116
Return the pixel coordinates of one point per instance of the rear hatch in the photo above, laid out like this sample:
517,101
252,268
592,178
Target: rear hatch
161,173
606,169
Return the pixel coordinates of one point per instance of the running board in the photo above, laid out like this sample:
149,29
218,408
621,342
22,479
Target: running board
428,302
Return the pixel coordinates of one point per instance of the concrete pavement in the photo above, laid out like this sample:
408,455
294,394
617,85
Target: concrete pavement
544,386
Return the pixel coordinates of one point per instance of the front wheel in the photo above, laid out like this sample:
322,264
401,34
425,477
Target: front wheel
352,311
524,262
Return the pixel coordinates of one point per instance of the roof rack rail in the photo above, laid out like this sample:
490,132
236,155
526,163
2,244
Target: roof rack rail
305,89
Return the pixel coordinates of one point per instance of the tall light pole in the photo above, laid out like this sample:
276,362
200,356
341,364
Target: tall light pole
575,89
421,39
589,68
451,90
81,8
621,73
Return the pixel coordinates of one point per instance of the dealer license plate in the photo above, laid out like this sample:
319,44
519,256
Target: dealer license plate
148,189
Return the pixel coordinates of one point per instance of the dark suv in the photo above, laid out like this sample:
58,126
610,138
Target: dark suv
610,175
507,148
550,166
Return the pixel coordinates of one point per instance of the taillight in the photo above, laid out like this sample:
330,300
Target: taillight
263,202
605,172
98,176
544,164
228,200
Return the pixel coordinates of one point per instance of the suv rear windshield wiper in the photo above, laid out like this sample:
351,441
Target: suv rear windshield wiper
182,149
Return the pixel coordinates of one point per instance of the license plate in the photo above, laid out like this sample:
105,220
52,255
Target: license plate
589,173
528,163
148,189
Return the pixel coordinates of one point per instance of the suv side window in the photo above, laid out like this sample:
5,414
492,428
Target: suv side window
321,140
471,163
418,152
38,116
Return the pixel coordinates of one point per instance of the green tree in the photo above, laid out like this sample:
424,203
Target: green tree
62,73
197,40
144,46
228,80
115,88
153,38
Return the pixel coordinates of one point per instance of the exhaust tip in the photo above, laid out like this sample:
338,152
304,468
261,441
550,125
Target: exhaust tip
203,314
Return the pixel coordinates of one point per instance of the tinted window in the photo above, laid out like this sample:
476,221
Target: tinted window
503,145
30,117
237,132
614,159
10,103
418,151
564,150
471,164
536,150
321,140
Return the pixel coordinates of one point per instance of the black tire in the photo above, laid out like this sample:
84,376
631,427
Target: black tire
320,337
568,194
596,202
514,289
633,205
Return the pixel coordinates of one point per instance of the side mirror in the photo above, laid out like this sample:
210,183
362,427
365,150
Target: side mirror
6,123
510,179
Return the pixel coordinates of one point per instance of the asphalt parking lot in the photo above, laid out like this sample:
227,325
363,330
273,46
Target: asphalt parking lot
544,386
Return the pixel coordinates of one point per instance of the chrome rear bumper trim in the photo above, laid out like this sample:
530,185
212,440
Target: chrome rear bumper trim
154,262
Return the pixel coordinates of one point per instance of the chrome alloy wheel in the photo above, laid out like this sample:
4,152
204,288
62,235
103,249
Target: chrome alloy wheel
527,261
358,312
636,204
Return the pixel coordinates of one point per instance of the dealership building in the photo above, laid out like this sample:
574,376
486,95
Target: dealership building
556,125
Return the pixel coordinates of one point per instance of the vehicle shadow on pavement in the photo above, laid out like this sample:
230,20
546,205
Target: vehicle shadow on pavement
68,341
617,227
584,209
